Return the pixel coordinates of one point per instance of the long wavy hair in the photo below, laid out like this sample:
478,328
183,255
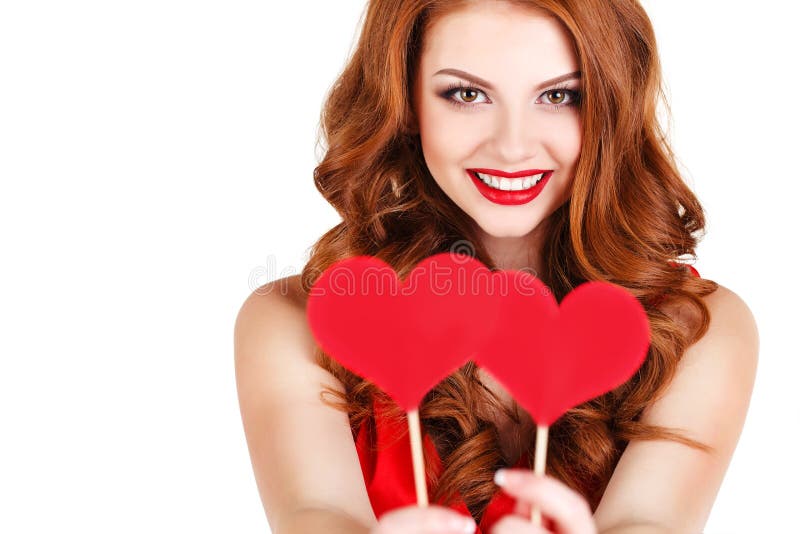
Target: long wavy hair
631,220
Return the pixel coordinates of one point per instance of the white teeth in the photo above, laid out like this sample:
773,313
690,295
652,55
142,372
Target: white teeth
514,184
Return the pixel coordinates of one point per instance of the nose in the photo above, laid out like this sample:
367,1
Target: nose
514,136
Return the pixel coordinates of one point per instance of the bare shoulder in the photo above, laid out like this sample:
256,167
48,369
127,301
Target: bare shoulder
278,306
668,483
285,421
271,335
731,342
732,336
283,292
719,368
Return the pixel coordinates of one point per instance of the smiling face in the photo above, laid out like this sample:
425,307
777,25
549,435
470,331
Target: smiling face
515,122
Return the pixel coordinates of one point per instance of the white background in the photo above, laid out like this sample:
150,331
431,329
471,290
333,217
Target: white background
156,162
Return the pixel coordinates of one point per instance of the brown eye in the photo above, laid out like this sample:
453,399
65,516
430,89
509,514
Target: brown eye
463,95
556,97
469,91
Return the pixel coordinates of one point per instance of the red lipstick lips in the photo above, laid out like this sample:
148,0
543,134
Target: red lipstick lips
509,198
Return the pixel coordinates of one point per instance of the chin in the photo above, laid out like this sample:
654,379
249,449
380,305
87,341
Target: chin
500,229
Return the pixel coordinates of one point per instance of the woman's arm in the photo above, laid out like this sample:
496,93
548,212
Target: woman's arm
639,528
663,486
316,520
303,454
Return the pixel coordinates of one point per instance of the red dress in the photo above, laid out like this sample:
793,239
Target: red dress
389,476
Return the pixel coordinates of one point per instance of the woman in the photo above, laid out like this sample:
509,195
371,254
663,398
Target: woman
524,132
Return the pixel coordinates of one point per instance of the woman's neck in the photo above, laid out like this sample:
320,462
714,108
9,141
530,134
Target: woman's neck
520,253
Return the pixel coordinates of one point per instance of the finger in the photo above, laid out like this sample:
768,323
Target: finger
566,507
524,509
511,524
428,520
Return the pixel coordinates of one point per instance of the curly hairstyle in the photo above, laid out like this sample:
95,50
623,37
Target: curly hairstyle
631,220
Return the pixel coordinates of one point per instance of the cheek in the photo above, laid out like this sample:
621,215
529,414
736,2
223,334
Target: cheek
432,133
446,137
567,146
442,121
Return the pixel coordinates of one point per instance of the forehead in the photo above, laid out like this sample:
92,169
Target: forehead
496,36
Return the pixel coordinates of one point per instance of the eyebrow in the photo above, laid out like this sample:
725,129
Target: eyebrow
480,81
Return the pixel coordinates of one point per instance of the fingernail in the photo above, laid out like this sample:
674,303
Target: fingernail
500,477
465,525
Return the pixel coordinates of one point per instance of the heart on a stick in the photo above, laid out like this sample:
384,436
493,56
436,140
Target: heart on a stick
403,336
552,358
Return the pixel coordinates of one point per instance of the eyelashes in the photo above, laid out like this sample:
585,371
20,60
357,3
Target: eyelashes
572,97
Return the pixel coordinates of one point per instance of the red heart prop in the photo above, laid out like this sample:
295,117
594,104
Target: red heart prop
553,358
405,337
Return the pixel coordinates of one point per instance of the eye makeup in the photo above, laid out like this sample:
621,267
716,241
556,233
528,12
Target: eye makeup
572,96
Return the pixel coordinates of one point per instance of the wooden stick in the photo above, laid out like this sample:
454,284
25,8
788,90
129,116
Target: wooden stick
417,458
539,463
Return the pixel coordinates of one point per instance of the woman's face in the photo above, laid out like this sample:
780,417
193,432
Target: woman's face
516,121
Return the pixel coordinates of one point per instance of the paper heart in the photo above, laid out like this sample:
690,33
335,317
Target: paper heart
407,336
551,358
